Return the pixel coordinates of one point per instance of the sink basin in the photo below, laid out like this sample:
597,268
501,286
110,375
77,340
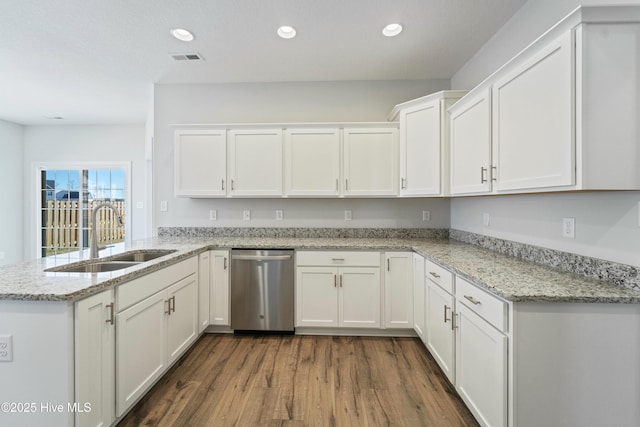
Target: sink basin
94,267
142,256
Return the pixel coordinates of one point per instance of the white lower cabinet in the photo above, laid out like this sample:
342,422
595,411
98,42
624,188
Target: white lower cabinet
153,330
398,290
439,330
481,367
338,297
338,289
204,290
419,297
219,303
95,360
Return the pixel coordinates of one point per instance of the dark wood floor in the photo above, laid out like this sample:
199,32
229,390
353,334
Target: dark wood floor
227,380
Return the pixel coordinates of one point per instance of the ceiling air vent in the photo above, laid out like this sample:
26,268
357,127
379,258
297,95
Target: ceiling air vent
186,57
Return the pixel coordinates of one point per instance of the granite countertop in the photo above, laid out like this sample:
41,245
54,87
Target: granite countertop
507,277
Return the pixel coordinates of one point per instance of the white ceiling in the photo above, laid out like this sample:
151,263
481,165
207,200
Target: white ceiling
95,61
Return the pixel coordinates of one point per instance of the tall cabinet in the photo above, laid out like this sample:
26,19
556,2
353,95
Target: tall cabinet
424,143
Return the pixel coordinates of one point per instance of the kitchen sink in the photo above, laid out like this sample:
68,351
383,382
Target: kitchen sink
94,267
142,256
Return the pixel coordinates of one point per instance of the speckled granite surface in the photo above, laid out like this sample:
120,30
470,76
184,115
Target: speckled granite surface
611,272
505,276
322,233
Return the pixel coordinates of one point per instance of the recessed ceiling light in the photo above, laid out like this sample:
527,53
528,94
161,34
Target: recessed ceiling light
182,34
392,30
287,32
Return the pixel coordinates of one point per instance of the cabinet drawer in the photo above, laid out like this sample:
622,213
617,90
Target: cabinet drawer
489,307
438,275
338,258
132,292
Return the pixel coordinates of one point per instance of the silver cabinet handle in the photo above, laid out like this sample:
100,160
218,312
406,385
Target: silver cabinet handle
111,318
446,307
222,185
435,275
402,183
337,184
168,303
225,263
335,280
453,321
172,305
337,259
232,185
346,184
341,280
483,178
494,173
472,299
388,265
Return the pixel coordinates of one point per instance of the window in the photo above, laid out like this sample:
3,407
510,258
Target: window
67,198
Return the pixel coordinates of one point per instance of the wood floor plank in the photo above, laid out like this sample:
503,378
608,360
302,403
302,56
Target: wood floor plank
227,380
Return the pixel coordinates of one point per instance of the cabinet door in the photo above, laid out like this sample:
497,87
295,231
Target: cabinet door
182,319
317,296
481,367
204,297
200,163
370,162
471,144
139,362
420,150
359,297
533,120
219,288
312,162
95,359
419,297
440,333
255,162
398,290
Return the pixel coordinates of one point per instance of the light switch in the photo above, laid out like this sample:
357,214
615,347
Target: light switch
486,219
279,215
569,228
347,215
426,215
213,215
246,215
164,206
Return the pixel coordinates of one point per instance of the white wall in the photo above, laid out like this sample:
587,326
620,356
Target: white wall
99,143
606,223
12,192
283,102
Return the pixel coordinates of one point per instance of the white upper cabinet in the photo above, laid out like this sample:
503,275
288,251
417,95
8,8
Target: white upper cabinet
370,162
471,144
561,116
312,162
424,144
533,110
255,162
200,163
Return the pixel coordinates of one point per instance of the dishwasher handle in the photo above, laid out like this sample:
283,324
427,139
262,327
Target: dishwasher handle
261,257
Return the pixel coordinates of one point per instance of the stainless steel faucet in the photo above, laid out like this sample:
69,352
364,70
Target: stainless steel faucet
94,227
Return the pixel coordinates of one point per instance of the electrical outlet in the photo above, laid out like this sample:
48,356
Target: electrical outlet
426,215
246,215
279,215
486,219
6,348
164,206
347,215
569,228
213,215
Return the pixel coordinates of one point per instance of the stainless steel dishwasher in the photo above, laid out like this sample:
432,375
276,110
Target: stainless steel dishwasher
262,290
